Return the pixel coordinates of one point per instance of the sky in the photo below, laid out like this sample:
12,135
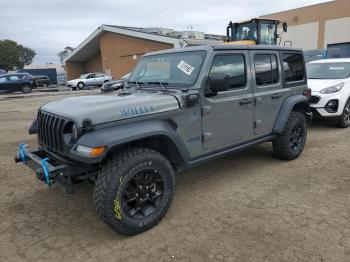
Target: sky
47,26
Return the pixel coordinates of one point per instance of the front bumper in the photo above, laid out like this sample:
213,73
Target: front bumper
45,167
319,105
51,168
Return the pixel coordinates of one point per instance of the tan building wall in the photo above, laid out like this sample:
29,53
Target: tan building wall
74,69
120,53
320,14
94,64
337,31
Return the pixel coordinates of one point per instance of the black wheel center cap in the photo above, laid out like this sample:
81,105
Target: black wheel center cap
142,194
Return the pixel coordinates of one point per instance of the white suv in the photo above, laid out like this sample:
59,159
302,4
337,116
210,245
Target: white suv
329,81
91,79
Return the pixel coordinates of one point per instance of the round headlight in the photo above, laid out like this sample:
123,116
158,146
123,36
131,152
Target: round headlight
70,133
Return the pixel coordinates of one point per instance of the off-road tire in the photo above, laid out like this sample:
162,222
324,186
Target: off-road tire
115,176
282,144
344,120
26,89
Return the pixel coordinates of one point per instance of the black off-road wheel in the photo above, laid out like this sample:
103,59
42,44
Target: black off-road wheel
291,142
344,120
134,190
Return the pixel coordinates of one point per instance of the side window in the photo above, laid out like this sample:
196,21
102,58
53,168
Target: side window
232,67
293,66
3,79
14,78
99,75
92,76
266,70
267,34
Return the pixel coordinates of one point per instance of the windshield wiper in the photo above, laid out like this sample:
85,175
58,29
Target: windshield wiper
160,83
137,83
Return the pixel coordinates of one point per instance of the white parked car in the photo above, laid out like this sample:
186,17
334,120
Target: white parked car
91,79
329,81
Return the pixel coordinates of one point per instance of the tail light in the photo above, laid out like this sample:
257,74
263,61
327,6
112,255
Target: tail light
307,93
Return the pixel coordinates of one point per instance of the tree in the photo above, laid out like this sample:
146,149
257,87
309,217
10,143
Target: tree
14,56
63,54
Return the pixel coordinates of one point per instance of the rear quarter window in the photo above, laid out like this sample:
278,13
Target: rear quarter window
293,67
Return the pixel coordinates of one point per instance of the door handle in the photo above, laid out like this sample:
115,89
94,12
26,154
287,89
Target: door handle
245,102
276,96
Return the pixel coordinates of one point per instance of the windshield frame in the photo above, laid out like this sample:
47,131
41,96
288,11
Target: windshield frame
163,82
329,64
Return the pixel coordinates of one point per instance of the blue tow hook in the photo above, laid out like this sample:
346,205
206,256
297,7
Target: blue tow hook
21,151
46,173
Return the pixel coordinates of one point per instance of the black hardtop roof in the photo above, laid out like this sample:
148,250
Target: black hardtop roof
226,47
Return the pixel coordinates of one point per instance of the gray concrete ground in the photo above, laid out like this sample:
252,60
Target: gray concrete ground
245,207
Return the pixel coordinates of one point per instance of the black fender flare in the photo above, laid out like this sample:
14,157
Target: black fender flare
288,104
118,135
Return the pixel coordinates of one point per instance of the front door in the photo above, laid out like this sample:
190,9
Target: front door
227,117
90,80
14,83
3,84
268,89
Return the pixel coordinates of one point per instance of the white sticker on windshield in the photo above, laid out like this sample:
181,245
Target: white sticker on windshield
336,68
186,68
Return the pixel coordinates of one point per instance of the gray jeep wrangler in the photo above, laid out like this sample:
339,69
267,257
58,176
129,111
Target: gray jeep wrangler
179,108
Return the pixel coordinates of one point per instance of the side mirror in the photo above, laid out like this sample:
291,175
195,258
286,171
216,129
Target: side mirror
218,82
285,27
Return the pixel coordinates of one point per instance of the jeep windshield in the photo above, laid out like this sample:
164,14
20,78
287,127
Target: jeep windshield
179,69
337,70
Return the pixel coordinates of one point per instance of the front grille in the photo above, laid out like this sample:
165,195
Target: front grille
50,130
314,99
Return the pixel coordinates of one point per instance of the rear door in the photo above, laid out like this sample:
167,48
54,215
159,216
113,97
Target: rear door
267,88
99,78
228,116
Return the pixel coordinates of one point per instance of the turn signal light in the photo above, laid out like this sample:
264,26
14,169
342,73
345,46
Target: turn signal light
97,150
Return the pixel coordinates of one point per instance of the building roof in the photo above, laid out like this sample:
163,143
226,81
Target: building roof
91,44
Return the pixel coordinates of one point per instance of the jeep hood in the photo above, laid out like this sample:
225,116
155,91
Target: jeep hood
106,108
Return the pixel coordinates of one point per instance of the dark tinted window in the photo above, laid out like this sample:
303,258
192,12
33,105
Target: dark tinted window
293,67
266,71
232,67
3,79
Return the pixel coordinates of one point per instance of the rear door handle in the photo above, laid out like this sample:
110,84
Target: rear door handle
245,102
276,96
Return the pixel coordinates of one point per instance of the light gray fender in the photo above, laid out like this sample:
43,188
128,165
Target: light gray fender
288,104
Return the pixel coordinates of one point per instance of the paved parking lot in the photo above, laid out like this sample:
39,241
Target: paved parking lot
245,207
